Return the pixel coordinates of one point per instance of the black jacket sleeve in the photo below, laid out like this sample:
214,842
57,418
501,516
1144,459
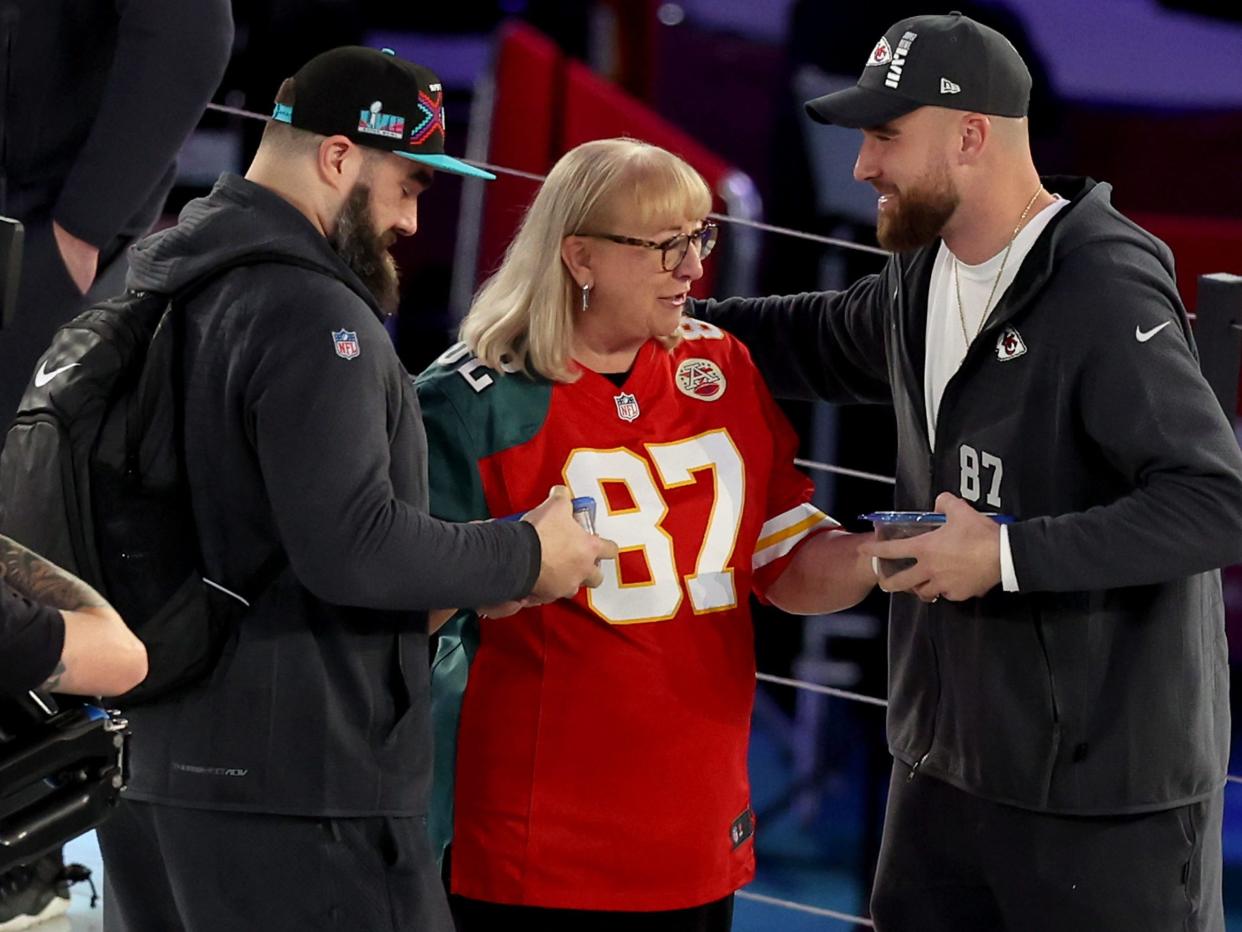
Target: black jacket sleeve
168,61
1146,408
335,439
828,345
32,637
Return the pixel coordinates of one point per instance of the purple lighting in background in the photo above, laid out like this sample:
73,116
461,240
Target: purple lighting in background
1136,52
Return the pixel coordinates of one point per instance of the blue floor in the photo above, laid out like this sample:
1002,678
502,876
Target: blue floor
807,845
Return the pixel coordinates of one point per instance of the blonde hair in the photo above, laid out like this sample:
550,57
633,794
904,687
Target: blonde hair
523,316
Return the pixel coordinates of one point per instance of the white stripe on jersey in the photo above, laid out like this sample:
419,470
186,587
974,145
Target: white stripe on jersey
781,534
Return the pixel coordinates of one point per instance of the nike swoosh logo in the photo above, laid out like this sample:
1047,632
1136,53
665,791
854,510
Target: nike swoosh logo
42,377
1144,335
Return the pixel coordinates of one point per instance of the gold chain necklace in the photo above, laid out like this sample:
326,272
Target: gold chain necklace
987,306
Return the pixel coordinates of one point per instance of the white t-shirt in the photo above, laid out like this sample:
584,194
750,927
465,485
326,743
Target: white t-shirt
946,344
946,347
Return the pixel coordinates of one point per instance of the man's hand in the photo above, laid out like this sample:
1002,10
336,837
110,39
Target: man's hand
80,257
570,555
958,561
505,609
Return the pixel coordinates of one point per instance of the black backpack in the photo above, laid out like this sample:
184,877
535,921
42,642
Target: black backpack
92,477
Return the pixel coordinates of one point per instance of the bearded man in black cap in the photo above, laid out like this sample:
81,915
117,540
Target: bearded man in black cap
289,789
1058,686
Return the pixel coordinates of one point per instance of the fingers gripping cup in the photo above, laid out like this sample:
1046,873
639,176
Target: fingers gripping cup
583,511
898,525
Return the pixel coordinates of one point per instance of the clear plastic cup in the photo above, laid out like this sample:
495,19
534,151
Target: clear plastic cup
898,525
584,513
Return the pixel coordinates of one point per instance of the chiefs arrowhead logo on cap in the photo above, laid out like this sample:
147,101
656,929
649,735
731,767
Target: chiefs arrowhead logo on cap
882,54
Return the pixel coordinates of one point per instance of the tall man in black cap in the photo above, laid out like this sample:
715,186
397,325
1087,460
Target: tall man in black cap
1058,696
289,790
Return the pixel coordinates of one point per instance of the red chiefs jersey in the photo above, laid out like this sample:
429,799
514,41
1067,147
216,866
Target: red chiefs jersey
601,753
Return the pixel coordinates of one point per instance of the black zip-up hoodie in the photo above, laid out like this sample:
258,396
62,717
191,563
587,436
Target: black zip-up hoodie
1101,687
303,435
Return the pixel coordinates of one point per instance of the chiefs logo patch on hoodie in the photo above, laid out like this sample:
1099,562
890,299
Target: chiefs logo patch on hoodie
1010,345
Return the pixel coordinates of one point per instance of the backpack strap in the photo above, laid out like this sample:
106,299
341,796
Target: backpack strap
262,580
178,299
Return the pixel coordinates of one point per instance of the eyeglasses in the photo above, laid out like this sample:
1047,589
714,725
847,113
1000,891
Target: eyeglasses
672,251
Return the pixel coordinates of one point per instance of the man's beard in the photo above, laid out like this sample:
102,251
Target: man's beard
364,250
919,215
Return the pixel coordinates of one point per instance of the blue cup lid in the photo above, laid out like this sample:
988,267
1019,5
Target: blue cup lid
904,517
922,517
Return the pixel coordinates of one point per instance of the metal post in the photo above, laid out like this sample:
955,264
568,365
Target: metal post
741,198
11,234
1218,333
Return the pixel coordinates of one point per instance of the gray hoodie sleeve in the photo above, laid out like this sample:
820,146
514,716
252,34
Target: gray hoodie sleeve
1147,411
343,458
827,345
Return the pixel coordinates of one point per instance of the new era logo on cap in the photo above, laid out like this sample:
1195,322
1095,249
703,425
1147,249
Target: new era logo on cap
948,87
376,100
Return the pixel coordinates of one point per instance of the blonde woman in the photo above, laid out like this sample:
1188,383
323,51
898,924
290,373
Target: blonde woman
599,769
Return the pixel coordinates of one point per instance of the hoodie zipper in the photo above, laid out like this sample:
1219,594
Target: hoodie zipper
1052,683
931,640
931,741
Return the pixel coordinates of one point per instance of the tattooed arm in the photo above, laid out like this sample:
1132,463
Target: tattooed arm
43,581
100,656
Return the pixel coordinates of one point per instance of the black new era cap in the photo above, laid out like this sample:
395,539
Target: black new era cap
940,61
377,100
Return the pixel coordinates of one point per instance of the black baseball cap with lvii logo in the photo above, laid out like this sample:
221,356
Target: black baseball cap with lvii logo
938,61
376,100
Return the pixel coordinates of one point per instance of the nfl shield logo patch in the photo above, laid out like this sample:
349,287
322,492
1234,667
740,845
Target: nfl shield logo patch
346,343
627,406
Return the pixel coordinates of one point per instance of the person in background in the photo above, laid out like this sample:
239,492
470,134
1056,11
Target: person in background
57,634
90,126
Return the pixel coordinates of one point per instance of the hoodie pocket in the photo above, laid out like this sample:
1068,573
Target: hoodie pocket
1049,672
1041,635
